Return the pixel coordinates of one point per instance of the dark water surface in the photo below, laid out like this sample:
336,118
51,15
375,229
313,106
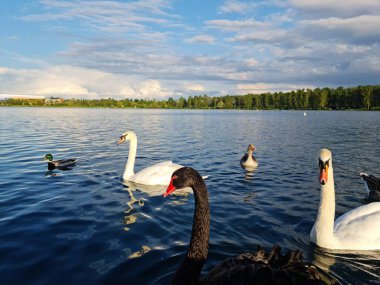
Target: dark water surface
84,226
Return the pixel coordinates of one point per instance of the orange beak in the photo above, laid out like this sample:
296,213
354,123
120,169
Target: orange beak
171,188
323,175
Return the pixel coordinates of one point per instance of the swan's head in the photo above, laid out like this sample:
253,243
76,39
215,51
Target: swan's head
48,156
126,136
251,147
182,178
324,161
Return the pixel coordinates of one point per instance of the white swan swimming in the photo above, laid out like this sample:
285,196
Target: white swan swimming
358,229
157,174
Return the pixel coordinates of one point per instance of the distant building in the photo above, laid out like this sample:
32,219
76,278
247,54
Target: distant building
54,100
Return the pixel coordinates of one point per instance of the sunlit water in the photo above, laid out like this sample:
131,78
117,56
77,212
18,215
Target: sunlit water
84,226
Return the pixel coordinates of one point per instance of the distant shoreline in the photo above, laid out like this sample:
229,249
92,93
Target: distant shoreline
376,109
350,98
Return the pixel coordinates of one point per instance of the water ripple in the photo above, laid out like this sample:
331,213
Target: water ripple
85,226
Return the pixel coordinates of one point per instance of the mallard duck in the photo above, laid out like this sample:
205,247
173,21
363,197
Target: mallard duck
62,163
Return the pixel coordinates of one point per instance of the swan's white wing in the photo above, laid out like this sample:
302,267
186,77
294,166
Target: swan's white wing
164,163
359,228
157,174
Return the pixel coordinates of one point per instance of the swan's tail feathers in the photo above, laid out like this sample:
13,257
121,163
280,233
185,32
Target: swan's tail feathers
371,182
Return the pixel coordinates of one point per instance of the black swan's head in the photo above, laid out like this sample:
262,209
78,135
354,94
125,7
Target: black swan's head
182,178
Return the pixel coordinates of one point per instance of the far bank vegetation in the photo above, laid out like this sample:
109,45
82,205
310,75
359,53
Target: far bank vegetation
360,97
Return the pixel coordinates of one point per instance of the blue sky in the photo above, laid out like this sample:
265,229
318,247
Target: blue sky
160,49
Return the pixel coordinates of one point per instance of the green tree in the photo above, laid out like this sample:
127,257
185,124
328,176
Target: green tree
367,96
324,98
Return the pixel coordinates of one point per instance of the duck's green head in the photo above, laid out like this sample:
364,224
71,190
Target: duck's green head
49,157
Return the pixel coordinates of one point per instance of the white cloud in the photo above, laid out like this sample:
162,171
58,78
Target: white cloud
233,6
259,88
139,49
152,89
236,25
106,16
245,7
261,36
193,87
66,90
205,39
251,62
368,64
345,8
75,82
366,26
4,70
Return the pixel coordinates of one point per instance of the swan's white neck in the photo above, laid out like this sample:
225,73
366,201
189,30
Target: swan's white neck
129,167
322,232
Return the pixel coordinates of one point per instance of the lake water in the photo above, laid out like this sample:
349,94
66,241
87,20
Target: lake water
84,226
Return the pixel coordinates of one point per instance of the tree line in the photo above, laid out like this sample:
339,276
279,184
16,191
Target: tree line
360,97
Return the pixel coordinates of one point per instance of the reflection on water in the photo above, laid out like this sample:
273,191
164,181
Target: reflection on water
150,190
250,197
129,188
250,171
321,258
131,217
144,249
86,223
104,265
85,235
367,262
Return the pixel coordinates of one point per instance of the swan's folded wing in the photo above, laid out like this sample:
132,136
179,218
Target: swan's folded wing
359,226
366,210
167,162
157,174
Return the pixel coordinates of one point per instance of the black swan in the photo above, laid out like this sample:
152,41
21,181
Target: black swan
372,186
247,268
248,161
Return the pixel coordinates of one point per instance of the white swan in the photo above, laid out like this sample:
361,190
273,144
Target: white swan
358,229
157,174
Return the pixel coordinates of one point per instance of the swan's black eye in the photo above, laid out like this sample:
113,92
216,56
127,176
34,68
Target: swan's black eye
174,177
324,164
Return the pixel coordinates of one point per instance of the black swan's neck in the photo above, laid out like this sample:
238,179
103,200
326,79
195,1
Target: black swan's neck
190,269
